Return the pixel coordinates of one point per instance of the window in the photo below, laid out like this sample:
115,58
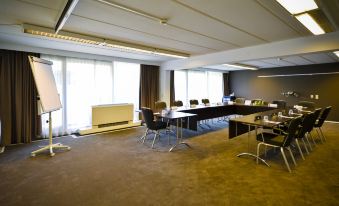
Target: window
83,83
198,85
126,84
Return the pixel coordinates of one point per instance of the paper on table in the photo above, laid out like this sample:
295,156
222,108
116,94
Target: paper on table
272,122
287,117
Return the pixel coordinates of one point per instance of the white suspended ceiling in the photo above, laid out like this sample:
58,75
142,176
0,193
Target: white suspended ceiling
195,27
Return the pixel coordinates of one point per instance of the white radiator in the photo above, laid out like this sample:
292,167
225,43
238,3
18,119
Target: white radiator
111,117
111,114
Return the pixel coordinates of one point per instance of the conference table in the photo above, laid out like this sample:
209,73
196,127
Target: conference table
215,111
257,120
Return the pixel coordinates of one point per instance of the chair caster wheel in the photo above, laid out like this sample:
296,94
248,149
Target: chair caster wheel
52,154
32,155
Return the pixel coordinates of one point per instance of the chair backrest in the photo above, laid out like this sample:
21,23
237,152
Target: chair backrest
308,123
194,102
178,103
323,116
292,131
305,125
160,106
308,105
239,100
148,115
280,103
315,116
205,101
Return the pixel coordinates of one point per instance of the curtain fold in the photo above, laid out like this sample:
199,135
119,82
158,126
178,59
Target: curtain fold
18,95
226,79
149,85
172,89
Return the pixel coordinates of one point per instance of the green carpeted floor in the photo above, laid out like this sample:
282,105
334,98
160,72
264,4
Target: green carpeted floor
114,169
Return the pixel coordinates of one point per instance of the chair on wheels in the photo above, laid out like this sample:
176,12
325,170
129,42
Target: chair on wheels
194,102
178,103
307,104
152,125
281,141
280,103
319,123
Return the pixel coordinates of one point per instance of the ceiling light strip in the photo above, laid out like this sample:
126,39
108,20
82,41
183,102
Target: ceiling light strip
241,66
134,11
293,75
78,38
298,6
310,23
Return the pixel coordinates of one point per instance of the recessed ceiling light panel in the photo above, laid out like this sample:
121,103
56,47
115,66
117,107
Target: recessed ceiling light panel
298,6
310,24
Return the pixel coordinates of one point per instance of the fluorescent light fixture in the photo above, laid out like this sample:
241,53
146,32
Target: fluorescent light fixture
65,14
310,24
241,66
336,53
298,6
294,75
96,41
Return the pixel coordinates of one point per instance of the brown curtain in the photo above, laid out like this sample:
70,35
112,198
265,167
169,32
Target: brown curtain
18,107
149,86
172,90
226,79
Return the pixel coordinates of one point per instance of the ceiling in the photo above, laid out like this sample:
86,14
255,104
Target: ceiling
195,27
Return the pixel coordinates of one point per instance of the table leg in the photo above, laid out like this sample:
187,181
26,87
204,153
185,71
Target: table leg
179,138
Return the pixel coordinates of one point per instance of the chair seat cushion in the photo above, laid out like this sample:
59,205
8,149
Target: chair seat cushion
271,138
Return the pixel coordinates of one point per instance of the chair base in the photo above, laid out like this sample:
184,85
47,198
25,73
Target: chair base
255,156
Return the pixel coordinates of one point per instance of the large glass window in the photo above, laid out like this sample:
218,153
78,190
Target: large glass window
180,82
83,83
126,84
198,85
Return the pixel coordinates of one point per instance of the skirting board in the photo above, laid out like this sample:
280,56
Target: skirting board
86,131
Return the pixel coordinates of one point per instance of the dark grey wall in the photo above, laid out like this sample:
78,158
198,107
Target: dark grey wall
247,84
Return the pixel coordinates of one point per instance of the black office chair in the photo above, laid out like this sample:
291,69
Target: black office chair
319,123
280,103
194,102
152,125
315,116
306,123
282,140
205,101
307,104
178,103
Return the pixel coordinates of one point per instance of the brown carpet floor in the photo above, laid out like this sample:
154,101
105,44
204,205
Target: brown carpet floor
114,169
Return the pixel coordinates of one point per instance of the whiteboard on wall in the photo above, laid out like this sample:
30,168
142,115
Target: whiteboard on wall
45,83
